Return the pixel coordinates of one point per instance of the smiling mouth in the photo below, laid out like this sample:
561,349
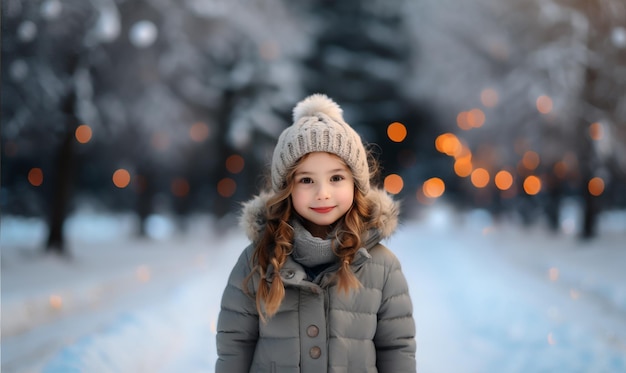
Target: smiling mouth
322,210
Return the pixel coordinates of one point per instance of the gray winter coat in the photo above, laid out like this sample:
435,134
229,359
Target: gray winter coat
317,329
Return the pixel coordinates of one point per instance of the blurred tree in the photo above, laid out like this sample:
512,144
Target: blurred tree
578,49
521,74
362,57
601,112
42,57
164,98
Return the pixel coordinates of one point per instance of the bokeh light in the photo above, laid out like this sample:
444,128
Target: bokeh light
475,118
462,122
143,273
448,144
27,31
235,164
143,34
463,166
55,301
503,180
396,132
393,183
199,132
560,169
121,178
35,176
532,185
83,134
480,177
596,131
226,187
433,187
595,186
51,9
530,160
544,104
489,97
180,187
553,274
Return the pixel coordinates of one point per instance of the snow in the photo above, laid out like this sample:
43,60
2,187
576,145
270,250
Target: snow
488,296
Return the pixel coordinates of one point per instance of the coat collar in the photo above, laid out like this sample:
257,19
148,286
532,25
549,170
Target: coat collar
385,213
294,274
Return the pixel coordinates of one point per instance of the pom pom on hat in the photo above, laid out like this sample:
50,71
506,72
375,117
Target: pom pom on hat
317,103
319,127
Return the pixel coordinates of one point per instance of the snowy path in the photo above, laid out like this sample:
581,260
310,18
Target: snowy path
503,314
486,300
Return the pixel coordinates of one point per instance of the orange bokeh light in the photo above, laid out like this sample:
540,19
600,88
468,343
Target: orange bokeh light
530,160
393,183
463,166
235,164
55,301
396,132
226,187
544,104
83,133
503,180
448,143
199,132
595,186
480,178
596,131
121,178
560,169
475,118
433,187
461,121
180,187
35,176
489,97
532,185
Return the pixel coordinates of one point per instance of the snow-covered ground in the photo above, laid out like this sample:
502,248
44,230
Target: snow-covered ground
488,297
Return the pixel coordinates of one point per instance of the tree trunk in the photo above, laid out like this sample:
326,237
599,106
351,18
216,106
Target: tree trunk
62,187
146,191
222,205
553,204
590,216
588,161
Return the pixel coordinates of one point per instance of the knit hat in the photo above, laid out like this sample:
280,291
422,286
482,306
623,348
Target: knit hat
318,126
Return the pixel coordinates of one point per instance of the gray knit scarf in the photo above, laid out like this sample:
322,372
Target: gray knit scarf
311,251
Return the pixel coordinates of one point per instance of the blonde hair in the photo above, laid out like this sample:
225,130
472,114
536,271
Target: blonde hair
275,243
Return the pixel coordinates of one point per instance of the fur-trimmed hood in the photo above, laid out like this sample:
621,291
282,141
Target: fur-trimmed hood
385,212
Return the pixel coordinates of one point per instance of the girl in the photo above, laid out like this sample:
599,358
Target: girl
316,291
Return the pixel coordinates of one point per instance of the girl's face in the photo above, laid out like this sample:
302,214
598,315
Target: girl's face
323,191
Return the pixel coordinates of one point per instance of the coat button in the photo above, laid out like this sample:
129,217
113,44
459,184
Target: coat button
312,331
289,273
315,352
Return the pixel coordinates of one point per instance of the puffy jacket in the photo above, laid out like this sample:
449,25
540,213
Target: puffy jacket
317,329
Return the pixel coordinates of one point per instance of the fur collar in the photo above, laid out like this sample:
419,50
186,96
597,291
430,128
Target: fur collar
385,212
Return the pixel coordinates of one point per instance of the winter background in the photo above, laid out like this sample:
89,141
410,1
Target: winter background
488,296
132,131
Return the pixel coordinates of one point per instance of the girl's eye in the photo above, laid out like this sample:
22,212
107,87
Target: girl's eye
336,178
306,180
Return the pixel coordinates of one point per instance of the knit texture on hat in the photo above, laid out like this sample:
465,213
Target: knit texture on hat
318,126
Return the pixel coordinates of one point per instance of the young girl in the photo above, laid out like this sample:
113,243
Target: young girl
316,291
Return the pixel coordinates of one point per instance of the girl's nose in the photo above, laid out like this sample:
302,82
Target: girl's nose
323,192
